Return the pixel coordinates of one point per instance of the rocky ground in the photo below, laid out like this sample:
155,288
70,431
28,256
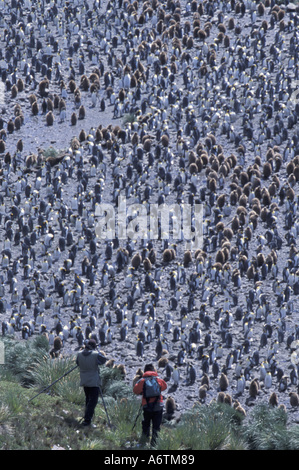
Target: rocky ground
217,78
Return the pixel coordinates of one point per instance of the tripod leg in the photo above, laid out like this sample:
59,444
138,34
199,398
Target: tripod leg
51,385
138,414
109,424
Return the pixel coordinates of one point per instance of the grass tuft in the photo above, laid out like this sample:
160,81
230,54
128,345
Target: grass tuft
53,419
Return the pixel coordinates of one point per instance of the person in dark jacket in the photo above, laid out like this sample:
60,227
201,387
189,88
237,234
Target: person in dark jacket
152,407
89,361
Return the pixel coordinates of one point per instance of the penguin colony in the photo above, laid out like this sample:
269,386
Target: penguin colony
164,102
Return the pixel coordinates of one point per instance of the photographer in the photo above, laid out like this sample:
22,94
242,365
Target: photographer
88,361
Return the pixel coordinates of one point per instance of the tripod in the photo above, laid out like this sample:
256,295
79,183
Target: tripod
51,385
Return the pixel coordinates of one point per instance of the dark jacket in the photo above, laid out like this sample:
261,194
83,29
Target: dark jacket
138,387
88,362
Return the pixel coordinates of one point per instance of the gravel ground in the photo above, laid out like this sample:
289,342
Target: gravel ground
188,99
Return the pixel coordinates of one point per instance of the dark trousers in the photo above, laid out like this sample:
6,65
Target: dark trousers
91,401
156,418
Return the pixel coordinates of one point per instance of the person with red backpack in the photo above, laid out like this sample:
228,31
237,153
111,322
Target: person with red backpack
150,387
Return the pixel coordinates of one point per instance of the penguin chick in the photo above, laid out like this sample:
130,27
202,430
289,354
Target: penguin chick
136,379
50,118
73,119
205,380
162,362
187,258
122,369
110,363
139,372
282,407
168,255
294,399
170,406
273,400
240,410
228,399
220,397
202,393
34,108
223,382
57,343
57,346
147,264
136,260
81,112
253,388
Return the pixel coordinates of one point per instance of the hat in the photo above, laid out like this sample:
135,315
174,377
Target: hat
91,344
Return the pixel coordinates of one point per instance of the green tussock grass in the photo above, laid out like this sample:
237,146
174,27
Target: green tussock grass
53,417
213,427
129,118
